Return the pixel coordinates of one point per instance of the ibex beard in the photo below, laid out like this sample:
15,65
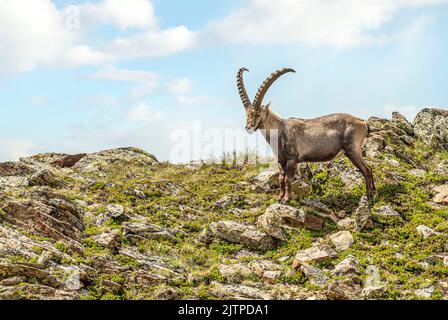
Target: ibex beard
304,140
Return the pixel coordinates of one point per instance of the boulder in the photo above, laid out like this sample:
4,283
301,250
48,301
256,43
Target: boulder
98,163
399,121
441,196
425,292
243,234
362,213
425,231
46,178
373,292
114,210
234,272
347,224
315,275
11,182
108,239
278,220
342,240
442,168
341,290
52,215
141,230
310,255
431,126
386,214
347,266
374,145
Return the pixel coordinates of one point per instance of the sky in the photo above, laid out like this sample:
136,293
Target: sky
83,76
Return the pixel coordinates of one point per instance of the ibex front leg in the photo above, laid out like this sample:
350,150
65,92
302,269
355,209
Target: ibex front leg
281,180
291,167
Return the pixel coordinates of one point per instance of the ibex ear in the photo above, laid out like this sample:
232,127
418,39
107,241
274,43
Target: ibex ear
266,107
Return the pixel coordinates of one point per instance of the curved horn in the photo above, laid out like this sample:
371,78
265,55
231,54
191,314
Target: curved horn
241,89
266,84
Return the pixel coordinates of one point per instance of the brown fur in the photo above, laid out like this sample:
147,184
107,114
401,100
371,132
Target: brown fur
307,140
69,161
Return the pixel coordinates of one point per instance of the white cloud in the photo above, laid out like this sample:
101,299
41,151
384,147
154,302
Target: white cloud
38,100
121,13
34,33
181,90
13,149
152,43
340,23
145,81
144,113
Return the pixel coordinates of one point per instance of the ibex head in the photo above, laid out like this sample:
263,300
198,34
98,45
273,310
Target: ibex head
256,111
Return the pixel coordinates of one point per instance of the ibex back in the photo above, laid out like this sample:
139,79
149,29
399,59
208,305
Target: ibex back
305,140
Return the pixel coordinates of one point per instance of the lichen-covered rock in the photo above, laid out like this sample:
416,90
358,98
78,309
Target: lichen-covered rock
425,231
441,196
52,215
98,162
108,239
141,230
386,214
278,219
362,213
342,290
342,240
347,266
46,178
399,121
246,235
374,145
312,254
315,275
373,292
431,126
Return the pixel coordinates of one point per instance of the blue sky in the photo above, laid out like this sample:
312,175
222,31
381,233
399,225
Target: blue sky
81,76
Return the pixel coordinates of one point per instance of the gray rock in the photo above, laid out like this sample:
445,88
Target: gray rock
46,178
13,182
347,224
425,292
362,213
114,210
417,172
341,290
386,214
246,235
441,196
431,126
278,220
442,168
108,239
374,145
235,272
347,266
425,231
142,230
342,240
315,275
312,254
399,121
373,292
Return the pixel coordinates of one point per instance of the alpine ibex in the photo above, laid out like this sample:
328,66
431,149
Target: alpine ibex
305,140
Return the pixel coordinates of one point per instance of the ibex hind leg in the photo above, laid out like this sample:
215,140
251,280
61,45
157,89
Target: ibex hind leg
291,168
282,182
359,162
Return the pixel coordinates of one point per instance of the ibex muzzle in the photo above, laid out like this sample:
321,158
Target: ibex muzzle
305,140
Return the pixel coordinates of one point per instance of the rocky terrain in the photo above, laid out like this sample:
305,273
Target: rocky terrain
118,224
